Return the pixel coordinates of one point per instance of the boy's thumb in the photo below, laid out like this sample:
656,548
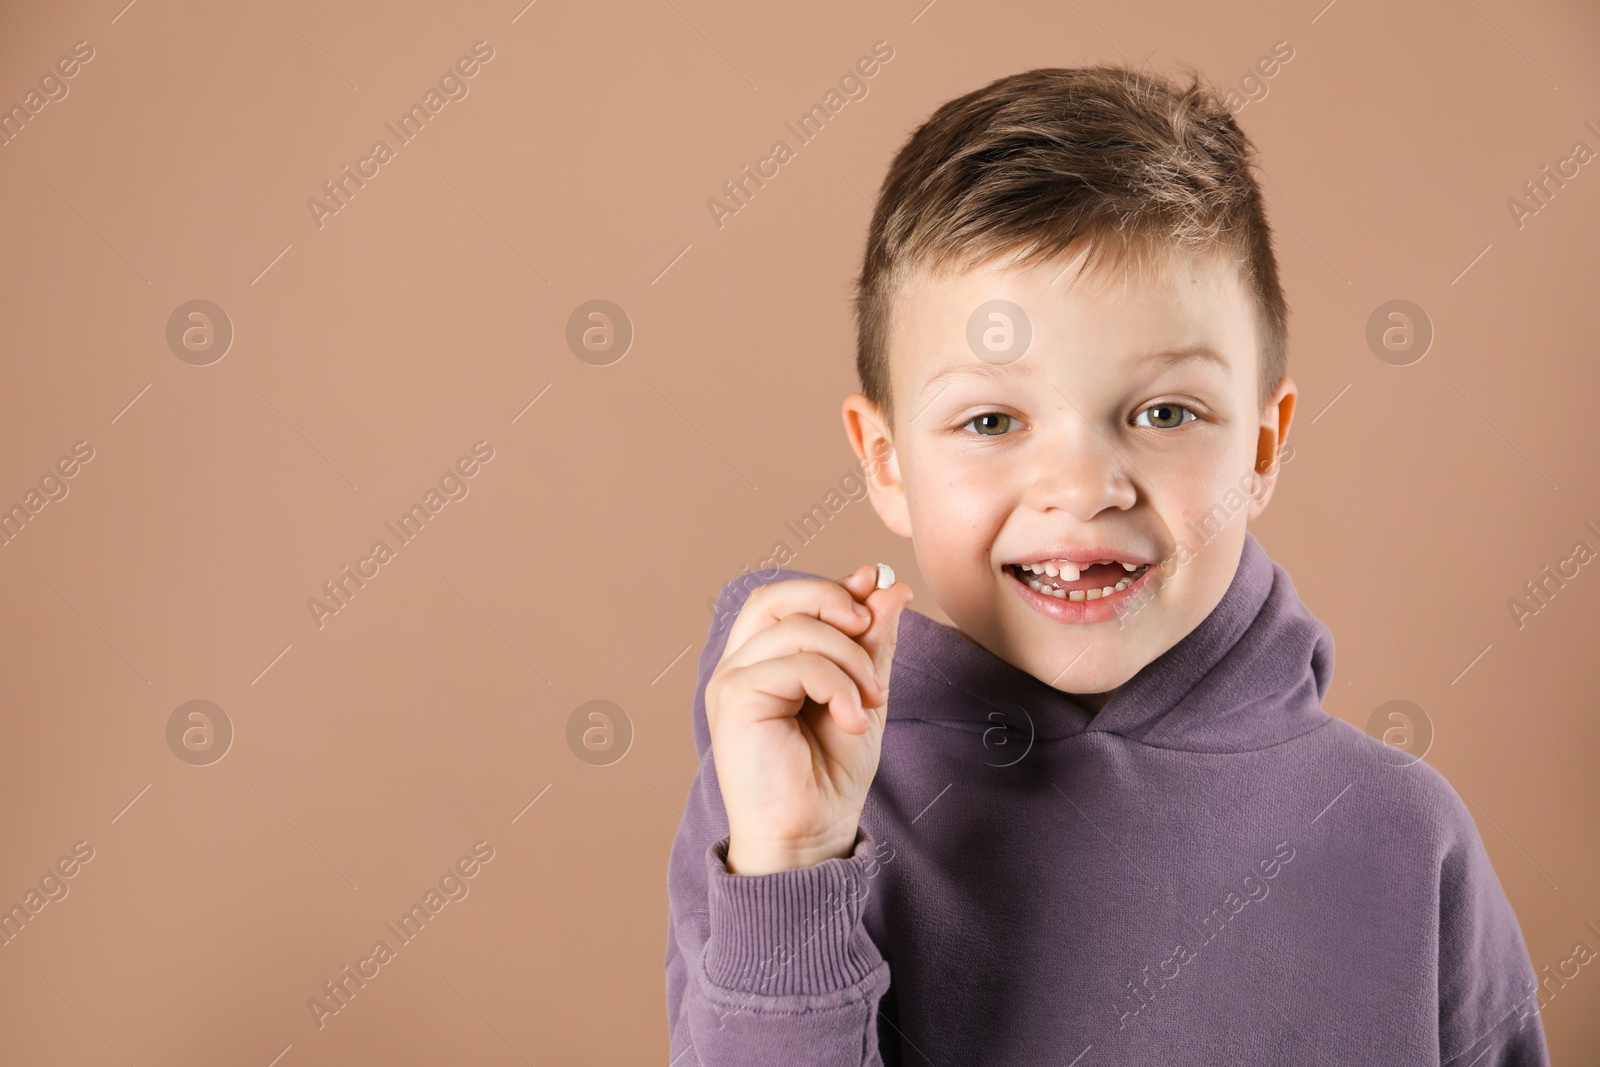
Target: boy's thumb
881,637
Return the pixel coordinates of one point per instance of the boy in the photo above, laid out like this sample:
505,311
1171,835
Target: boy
1103,819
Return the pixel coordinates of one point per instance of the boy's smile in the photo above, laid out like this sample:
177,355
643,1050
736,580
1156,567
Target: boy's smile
1116,441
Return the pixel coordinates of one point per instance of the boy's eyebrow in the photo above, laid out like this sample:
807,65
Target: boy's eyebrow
1200,351
967,370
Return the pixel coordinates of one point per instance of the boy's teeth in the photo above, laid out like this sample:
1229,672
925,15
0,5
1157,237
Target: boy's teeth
1067,571
1078,594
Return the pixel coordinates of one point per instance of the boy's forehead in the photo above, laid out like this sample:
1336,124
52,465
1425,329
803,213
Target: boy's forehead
1127,317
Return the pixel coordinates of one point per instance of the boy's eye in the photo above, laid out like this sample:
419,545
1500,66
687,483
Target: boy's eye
990,419
1167,417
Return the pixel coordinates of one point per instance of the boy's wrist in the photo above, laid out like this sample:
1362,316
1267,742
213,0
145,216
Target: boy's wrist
749,857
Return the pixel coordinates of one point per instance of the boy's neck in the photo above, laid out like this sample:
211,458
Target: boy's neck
1095,701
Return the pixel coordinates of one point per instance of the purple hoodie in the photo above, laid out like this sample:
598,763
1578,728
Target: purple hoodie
1212,870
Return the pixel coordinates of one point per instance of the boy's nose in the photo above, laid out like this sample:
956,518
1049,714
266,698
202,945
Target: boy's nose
1083,474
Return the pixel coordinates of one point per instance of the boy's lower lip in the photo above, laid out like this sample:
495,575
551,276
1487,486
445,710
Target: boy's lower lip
1101,609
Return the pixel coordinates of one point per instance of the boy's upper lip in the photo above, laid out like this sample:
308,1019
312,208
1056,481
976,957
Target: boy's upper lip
1082,555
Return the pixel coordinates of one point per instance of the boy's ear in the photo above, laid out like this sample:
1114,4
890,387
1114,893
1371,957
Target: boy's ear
880,466
1275,419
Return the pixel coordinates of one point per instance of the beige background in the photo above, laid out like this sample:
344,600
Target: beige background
372,352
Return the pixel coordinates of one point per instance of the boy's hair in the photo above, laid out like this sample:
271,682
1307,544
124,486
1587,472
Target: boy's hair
1033,162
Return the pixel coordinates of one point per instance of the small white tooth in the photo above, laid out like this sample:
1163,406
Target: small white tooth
1051,569
1036,568
1130,566
1093,594
1123,584
1107,591
1069,572
1040,587
1076,594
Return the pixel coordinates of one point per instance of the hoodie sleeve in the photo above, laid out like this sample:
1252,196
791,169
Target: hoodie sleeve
769,968
1488,1010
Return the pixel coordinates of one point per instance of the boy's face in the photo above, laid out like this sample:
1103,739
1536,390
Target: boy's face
1087,446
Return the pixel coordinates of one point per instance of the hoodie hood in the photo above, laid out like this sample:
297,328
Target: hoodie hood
1252,674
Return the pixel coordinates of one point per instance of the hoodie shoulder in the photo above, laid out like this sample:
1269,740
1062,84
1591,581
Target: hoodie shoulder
1412,795
1406,839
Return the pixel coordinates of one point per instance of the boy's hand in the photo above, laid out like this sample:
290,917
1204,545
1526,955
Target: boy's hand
796,712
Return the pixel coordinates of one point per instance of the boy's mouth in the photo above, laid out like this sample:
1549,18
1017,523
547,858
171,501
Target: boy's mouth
1086,581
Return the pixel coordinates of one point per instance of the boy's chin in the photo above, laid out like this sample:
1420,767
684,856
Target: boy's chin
1094,681
1085,666
1096,691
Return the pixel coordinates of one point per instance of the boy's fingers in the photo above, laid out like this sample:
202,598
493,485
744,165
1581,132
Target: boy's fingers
813,675
861,581
826,600
799,632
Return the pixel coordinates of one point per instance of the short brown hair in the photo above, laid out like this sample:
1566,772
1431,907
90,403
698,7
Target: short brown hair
1125,161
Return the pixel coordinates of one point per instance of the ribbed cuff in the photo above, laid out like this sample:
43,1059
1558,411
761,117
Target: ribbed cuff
790,932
